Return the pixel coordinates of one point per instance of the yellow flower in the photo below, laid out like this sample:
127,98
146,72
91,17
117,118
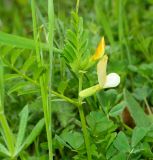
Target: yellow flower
99,51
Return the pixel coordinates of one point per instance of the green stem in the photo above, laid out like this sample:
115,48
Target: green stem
148,107
83,121
77,6
43,83
6,129
50,42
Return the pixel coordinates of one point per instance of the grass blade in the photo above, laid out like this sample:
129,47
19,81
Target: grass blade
22,42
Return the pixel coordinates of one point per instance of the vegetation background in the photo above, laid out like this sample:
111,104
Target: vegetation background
127,26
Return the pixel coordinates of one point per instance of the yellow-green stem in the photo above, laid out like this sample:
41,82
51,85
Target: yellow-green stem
3,121
50,77
83,121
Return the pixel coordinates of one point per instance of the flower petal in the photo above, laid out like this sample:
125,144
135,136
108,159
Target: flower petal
100,50
89,91
101,70
112,80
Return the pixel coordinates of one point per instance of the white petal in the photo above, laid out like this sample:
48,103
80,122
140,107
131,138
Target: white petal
112,80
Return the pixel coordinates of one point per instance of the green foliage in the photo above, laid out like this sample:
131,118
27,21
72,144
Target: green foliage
121,143
30,76
136,111
76,50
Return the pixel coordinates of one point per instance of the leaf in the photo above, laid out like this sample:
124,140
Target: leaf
120,156
61,141
138,134
15,55
112,137
29,61
18,41
107,98
76,48
142,93
98,122
22,42
121,143
34,133
116,110
62,86
11,76
74,139
3,150
22,126
19,86
5,50
28,91
140,118
146,150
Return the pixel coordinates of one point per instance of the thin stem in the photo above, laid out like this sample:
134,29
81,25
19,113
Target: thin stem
77,6
50,42
83,121
148,107
42,82
67,99
6,129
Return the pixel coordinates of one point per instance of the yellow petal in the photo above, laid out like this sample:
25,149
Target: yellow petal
100,50
101,70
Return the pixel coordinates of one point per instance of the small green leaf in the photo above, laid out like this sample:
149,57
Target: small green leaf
142,93
22,126
18,86
11,76
30,60
74,139
116,110
98,122
62,86
61,141
120,156
28,91
138,134
34,133
121,143
15,54
112,137
137,113
3,150
107,98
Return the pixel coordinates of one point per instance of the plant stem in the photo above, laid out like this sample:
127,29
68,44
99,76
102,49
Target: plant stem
6,129
148,107
43,83
77,6
83,121
50,44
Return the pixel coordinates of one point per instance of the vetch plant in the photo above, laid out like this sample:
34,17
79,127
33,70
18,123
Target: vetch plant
46,74
105,81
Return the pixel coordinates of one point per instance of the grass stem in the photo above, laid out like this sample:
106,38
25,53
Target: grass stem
42,82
